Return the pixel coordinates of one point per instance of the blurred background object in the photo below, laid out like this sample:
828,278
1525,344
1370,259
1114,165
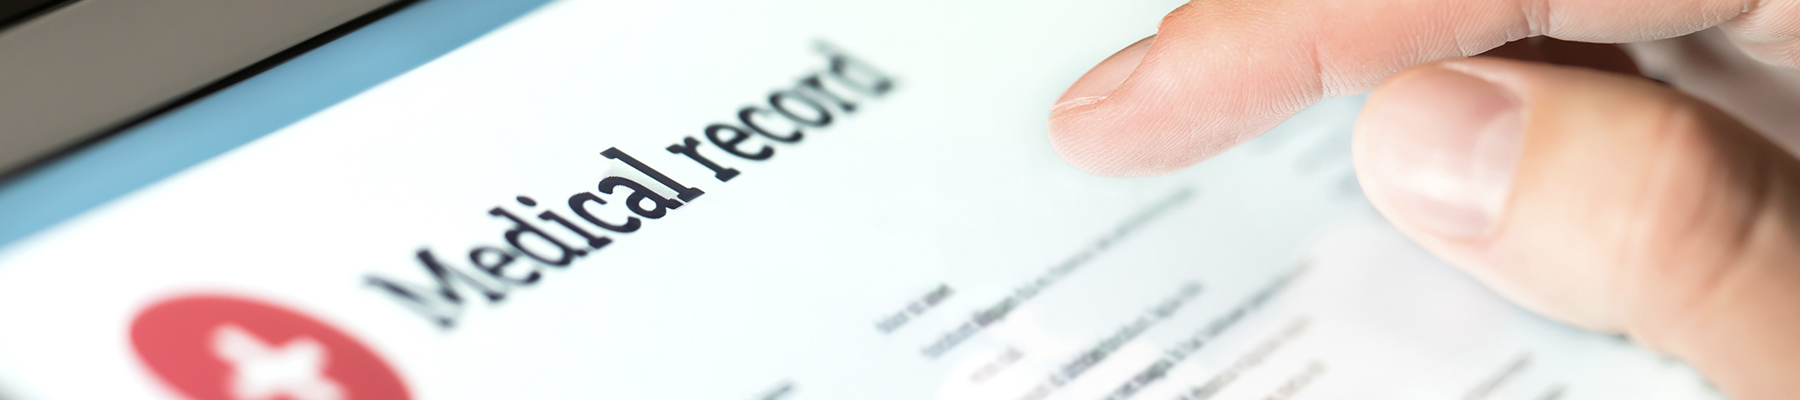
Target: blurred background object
12,11
73,70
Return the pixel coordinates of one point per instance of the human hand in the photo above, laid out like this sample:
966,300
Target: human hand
1601,199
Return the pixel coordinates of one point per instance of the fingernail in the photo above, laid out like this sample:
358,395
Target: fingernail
1105,77
1442,147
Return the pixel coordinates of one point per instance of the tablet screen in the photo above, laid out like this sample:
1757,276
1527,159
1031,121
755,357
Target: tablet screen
713,200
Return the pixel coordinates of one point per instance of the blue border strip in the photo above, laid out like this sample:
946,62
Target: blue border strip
199,131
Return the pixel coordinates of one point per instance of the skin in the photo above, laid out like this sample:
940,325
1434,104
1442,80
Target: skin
1549,169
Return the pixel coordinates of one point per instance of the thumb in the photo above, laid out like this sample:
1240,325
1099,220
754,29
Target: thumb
1606,201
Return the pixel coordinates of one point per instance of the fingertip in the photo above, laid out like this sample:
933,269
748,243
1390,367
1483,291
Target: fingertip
1106,76
1114,137
1440,147
1092,131
1086,149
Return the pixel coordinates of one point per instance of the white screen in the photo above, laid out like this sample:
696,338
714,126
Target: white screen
927,244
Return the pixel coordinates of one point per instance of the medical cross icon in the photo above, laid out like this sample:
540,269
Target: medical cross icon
215,347
261,371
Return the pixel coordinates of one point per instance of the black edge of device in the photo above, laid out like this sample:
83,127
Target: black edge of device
216,85
26,10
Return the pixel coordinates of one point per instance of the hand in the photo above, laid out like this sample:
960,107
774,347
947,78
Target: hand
1606,200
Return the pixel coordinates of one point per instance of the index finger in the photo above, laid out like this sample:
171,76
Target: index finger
1219,72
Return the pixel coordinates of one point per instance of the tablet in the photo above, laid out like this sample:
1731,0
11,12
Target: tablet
733,200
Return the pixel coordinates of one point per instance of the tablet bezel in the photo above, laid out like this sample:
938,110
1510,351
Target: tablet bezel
75,72
243,107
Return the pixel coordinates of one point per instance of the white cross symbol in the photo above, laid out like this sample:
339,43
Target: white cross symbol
259,371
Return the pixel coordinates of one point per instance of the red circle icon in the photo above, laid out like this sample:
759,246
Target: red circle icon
213,347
